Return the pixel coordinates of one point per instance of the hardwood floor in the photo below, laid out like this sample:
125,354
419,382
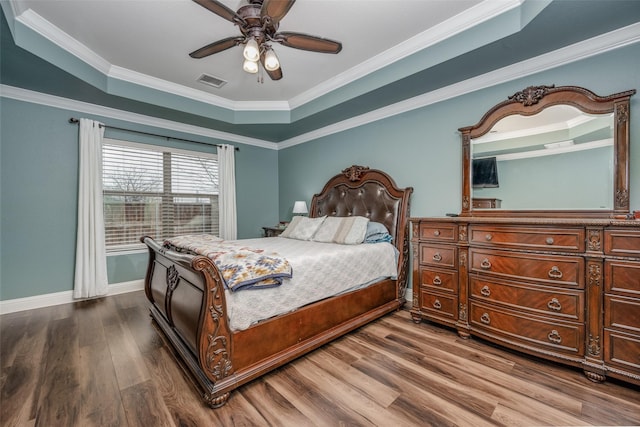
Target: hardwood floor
102,363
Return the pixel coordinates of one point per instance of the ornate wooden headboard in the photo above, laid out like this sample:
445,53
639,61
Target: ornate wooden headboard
366,192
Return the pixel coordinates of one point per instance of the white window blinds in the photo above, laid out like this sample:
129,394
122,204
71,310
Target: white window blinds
156,191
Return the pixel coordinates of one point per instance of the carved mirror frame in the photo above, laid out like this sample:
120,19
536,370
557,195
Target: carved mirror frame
533,100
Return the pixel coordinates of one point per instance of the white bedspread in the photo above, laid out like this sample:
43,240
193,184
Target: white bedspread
320,270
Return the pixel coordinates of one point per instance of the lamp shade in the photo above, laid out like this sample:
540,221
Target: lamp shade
251,50
250,66
271,62
300,207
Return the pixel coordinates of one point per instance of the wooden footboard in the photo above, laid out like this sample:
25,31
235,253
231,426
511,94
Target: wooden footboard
188,304
188,299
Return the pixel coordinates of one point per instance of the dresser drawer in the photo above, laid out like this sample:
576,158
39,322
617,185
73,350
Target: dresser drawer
444,280
526,330
439,231
622,242
438,304
534,238
560,303
622,313
438,255
622,351
622,277
553,270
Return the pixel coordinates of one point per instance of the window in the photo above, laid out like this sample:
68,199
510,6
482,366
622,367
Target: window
156,191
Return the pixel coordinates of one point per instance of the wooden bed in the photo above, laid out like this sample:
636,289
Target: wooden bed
188,298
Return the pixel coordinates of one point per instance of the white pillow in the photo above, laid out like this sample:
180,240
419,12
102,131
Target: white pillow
302,227
348,230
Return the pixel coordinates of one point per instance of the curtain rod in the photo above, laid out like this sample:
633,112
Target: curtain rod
76,121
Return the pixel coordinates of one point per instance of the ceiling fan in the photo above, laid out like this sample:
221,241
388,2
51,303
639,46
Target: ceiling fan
258,22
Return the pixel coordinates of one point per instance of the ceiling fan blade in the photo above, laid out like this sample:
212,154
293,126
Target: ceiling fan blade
275,74
276,9
307,42
216,47
221,10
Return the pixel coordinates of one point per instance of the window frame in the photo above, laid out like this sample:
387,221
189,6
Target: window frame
135,248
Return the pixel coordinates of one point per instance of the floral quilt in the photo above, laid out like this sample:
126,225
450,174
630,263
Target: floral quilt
242,267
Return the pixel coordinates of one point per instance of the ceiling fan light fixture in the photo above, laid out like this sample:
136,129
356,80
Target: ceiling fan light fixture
271,62
251,50
258,22
250,66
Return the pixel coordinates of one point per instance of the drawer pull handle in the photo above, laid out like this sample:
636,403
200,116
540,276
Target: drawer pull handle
437,257
555,273
485,291
437,304
554,337
436,233
437,281
485,318
488,236
549,240
485,264
554,304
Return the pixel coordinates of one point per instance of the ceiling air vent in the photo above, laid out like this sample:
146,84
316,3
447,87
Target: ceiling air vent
211,81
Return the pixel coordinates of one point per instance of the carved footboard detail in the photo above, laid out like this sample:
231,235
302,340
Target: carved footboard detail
216,338
208,354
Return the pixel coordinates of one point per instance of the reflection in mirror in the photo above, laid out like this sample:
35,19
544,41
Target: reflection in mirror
560,158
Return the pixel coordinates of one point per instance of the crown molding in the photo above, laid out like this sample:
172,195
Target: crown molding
595,46
437,34
582,50
602,143
459,23
140,79
537,130
55,35
49,31
112,113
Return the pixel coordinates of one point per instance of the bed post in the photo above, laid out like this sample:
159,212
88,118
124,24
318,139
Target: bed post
215,338
403,247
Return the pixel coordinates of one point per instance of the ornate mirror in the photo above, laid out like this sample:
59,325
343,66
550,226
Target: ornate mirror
549,151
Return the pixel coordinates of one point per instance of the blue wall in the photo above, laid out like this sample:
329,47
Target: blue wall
422,148
38,197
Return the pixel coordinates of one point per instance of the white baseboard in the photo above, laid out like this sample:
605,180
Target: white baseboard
66,297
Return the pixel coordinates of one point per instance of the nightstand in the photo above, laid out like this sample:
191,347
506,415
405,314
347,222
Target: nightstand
272,231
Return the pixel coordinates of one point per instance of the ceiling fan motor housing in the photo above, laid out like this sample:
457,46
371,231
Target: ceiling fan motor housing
255,26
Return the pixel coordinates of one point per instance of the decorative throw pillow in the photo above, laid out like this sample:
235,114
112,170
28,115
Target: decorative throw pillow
349,230
377,232
302,227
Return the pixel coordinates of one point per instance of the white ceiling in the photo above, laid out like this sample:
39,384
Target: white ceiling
154,38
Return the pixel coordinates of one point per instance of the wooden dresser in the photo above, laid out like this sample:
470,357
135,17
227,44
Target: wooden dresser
562,289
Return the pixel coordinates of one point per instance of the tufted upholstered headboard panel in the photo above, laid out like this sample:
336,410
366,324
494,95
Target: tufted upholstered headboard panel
366,192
